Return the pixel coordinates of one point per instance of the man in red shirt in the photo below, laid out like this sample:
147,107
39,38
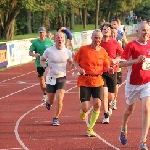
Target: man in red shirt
137,82
114,51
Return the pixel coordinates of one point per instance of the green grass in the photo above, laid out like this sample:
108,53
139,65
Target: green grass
77,28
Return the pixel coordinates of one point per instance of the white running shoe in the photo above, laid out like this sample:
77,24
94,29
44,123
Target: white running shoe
105,120
110,111
114,105
44,98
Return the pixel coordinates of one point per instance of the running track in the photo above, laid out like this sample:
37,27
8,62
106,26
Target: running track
25,123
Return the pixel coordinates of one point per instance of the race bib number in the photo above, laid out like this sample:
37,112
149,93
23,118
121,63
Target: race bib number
50,80
146,64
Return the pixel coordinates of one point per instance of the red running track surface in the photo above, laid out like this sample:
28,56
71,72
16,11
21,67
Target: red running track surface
25,123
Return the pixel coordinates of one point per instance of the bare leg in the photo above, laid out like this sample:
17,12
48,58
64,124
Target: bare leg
128,111
59,102
145,116
105,99
42,84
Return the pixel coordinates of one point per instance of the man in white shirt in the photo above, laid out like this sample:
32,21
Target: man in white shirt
57,57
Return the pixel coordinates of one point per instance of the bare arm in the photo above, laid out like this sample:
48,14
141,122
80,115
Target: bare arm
124,39
34,55
62,28
81,70
42,62
131,62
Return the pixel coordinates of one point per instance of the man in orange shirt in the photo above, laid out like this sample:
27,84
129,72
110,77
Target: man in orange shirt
91,61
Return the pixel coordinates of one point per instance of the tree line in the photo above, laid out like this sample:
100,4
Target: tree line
25,16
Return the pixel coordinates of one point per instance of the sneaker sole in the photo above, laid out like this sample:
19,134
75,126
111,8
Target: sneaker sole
89,135
105,122
56,124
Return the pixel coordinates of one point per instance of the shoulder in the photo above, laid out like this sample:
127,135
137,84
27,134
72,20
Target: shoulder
52,48
35,40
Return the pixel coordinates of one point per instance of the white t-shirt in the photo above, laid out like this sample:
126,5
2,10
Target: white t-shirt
120,28
57,60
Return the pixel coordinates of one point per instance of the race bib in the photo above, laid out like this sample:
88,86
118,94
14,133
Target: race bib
50,80
146,64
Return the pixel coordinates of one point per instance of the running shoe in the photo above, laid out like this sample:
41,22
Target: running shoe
48,106
105,120
143,145
114,105
82,115
55,122
44,98
123,137
91,133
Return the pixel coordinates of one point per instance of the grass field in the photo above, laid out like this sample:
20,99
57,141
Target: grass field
78,28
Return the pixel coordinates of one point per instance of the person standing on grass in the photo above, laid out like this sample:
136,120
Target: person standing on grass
91,61
137,82
68,36
114,51
57,57
36,50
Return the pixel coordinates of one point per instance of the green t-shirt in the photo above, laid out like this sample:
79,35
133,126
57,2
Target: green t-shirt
39,47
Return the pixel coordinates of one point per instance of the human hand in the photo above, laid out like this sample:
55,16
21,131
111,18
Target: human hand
81,71
140,58
111,70
113,61
36,55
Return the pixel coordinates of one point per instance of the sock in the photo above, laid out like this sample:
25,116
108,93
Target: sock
94,118
123,130
143,140
106,115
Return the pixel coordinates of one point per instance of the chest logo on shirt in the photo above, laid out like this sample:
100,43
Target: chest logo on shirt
148,52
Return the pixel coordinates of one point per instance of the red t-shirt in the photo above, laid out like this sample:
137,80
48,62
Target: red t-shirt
136,75
113,49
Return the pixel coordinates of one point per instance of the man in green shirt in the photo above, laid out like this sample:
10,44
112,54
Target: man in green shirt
37,49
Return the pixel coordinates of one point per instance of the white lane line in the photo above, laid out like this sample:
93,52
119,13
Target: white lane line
18,91
16,77
98,136
18,122
11,148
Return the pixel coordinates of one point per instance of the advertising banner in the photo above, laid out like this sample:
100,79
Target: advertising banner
3,56
18,52
77,40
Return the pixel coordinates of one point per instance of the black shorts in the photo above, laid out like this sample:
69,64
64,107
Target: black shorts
87,92
40,71
119,77
110,81
60,84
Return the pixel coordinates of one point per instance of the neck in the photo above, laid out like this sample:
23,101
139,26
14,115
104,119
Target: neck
42,38
97,47
106,39
141,41
59,47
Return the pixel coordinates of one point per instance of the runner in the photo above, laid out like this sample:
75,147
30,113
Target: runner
91,61
36,50
137,82
57,57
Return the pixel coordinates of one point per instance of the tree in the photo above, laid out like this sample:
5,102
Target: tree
97,13
11,8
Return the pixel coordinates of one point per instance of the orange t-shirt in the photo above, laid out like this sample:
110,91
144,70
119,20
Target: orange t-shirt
94,63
